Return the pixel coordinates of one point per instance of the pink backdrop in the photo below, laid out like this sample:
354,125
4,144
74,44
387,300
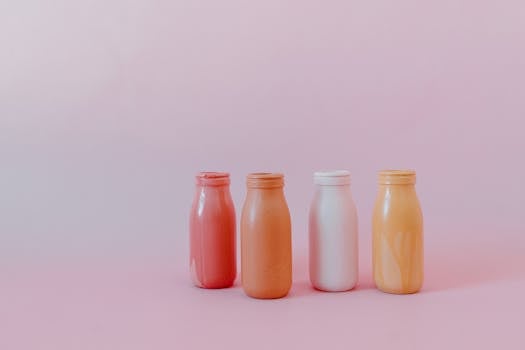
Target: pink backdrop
108,109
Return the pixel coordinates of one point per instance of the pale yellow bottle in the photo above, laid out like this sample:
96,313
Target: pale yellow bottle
397,234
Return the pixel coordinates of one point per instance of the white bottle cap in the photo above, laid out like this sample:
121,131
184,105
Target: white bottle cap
332,178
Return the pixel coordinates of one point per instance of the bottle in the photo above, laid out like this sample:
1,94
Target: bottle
266,238
212,232
333,233
397,234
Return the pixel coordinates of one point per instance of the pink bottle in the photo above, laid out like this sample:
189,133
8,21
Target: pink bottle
212,232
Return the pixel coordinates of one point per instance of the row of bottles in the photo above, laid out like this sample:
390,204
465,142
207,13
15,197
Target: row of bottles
266,245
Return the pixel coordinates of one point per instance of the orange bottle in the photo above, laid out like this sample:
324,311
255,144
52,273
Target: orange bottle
266,238
397,234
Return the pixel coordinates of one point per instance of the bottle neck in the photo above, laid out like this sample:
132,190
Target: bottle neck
333,188
387,190
266,191
397,186
333,191
216,188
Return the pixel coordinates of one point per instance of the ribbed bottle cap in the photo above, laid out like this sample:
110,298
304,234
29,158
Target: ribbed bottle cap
265,180
212,178
397,177
332,178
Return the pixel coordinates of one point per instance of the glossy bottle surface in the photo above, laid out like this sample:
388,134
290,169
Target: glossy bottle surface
266,241
397,234
212,232
333,233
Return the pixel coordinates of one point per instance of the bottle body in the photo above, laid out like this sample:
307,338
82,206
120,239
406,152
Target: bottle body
333,234
397,234
212,233
266,242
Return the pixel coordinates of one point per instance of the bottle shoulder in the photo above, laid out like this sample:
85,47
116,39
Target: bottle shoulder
399,209
209,202
260,207
332,198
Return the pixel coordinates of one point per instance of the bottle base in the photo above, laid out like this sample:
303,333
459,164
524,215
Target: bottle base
397,291
333,290
266,295
214,286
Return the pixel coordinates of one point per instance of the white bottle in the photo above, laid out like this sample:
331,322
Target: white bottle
333,233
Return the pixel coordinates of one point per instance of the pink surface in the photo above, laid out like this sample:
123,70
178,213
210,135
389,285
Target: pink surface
468,302
109,108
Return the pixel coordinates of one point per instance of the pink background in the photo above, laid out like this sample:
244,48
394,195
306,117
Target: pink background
108,109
